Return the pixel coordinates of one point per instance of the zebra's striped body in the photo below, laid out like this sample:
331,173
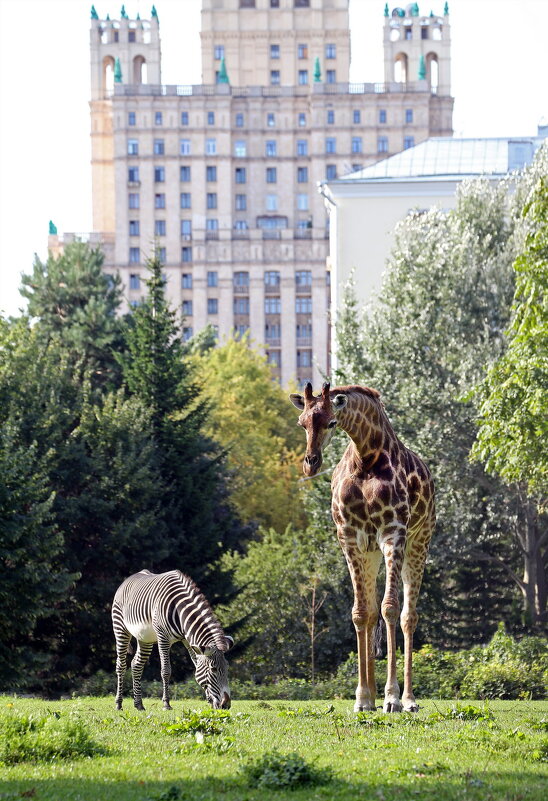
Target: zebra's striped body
167,608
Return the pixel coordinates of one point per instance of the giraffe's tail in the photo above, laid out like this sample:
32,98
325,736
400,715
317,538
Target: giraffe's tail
379,637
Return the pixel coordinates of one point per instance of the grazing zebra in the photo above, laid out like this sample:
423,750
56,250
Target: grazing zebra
167,608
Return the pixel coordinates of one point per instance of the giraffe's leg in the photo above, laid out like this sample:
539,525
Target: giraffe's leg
137,666
164,646
363,569
392,547
413,567
123,638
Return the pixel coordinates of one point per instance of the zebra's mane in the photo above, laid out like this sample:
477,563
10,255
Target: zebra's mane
213,625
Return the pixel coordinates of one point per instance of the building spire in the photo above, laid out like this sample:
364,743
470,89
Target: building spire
154,13
317,71
386,10
94,15
52,228
117,71
123,14
446,9
223,75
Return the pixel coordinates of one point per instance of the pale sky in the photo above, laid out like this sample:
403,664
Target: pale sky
499,81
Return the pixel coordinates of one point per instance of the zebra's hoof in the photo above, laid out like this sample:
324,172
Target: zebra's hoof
118,704
139,707
167,705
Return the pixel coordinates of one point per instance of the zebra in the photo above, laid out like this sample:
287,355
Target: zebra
167,608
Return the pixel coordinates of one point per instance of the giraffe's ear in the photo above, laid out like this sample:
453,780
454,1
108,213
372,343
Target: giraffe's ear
339,402
297,400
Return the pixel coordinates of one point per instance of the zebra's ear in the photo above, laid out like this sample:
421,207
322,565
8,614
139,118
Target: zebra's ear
194,651
229,641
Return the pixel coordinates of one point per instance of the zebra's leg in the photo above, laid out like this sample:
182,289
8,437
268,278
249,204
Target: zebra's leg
137,666
123,638
164,647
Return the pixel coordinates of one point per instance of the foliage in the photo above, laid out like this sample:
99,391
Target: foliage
251,419
284,771
199,722
29,738
514,410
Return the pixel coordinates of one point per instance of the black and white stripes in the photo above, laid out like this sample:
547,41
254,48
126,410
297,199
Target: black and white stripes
166,608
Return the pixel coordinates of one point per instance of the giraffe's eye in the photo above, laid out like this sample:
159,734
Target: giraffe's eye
332,424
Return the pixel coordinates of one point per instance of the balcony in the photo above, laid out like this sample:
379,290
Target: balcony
241,289
302,233
211,235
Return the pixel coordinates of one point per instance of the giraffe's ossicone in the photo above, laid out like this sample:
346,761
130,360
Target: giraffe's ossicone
382,506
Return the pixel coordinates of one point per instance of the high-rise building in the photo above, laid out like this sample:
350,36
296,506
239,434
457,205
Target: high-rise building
222,177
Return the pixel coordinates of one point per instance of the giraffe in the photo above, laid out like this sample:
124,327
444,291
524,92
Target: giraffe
382,506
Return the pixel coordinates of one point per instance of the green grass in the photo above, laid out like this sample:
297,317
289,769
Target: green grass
445,752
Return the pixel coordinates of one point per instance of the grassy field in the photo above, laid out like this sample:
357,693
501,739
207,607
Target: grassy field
447,751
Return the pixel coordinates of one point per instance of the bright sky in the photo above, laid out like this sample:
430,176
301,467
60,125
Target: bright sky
499,81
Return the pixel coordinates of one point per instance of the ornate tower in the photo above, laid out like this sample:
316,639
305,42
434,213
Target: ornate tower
417,48
122,51
266,42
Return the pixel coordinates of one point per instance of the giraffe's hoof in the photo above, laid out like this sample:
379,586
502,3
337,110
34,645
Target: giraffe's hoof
364,706
392,706
411,707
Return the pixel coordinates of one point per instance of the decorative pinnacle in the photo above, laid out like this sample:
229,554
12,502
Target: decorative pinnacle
386,10
415,10
223,75
446,9
317,70
123,14
422,68
94,14
154,13
52,227
117,71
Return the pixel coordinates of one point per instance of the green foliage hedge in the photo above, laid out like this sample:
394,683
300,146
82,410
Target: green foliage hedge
28,738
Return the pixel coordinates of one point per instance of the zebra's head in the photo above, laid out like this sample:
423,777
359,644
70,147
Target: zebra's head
211,672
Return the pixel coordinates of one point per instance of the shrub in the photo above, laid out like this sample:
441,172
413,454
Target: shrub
288,771
27,738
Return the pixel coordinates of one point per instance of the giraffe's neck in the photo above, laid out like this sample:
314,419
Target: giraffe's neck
365,422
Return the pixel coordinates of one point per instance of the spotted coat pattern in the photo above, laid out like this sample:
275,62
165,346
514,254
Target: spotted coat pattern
382,506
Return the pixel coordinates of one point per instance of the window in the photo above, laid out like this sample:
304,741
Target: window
134,281
134,227
304,358
408,141
271,202
158,147
131,119
330,172
382,116
241,202
159,175
270,120
184,149
302,77
162,255
186,281
185,173
239,120
274,358
240,175
331,51
304,333
187,332
187,308
240,148
274,77
212,306
272,332
271,175
211,173
184,117
302,3
159,227
241,305
212,278
357,116
186,229
186,254
211,147
272,306
356,144
241,278
302,175
211,200
159,201
133,147
134,255
409,115
212,224
272,278
303,278
218,52
158,118
274,3
303,305
302,119
330,145
382,144
424,33
408,33
274,51
185,200
302,147
330,117
302,202
331,76
133,199
302,51
240,225
303,225
247,3
270,147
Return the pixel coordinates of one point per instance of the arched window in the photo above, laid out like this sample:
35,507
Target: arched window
432,71
436,34
108,74
400,68
139,70
395,34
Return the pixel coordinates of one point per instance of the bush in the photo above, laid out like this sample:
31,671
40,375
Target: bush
288,771
27,738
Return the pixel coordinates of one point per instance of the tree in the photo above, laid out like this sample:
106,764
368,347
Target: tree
76,303
252,420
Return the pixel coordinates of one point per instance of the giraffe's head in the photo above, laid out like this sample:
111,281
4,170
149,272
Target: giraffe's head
318,418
